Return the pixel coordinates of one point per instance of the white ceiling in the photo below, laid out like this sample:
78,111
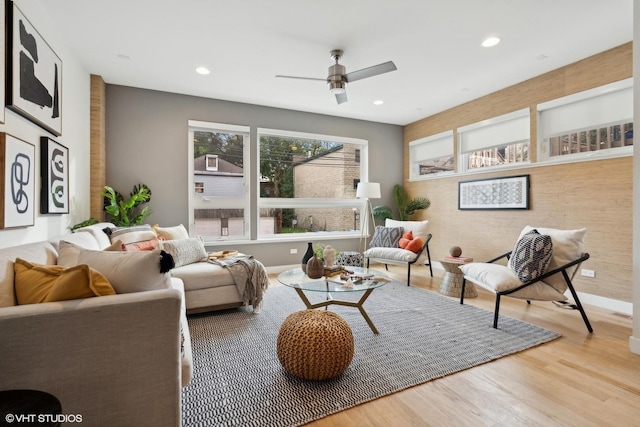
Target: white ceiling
157,44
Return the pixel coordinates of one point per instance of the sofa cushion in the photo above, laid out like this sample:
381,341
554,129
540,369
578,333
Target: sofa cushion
40,252
176,232
35,283
97,231
185,251
386,237
131,235
84,240
203,275
531,255
127,271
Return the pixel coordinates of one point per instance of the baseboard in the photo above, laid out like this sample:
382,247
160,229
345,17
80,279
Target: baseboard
634,345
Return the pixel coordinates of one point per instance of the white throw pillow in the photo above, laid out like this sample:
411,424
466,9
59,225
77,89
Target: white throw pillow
418,228
171,233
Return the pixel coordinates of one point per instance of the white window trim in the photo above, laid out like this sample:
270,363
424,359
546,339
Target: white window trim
436,139
610,153
201,202
269,202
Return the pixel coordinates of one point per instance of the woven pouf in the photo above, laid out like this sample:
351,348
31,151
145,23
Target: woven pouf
315,344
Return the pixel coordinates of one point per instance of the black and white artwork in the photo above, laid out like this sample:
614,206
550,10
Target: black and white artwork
17,182
495,193
35,74
54,177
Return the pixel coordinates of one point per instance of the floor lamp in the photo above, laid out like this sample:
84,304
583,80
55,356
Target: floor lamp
367,191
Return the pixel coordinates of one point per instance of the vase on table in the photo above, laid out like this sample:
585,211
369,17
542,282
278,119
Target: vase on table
307,256
315,267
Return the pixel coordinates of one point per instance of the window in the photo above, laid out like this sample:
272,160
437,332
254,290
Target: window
595,121
218,200
501,140
431,155
307,182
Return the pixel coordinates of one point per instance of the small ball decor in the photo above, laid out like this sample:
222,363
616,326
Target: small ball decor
455,251
315,344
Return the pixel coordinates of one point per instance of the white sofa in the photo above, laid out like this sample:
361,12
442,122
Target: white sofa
207,286
116,360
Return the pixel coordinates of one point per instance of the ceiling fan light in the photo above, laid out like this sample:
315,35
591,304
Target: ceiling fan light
337,88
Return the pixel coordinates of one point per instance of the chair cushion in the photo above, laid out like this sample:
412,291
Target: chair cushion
568,245
390,254
531,255
418,228
500,278
386,237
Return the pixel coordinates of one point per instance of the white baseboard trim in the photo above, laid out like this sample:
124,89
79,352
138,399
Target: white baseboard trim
634,345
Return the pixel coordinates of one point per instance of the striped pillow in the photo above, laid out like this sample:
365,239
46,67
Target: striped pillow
131,236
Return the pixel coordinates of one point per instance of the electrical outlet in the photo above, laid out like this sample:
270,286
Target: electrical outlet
587,273
293,251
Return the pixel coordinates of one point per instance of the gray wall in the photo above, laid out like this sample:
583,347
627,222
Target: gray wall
147,137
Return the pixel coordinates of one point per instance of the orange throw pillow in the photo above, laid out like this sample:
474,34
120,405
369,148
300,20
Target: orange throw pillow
405,239
415,245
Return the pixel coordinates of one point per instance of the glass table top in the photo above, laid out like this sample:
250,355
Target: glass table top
362,279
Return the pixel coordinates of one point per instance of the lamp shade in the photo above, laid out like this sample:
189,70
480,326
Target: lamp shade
368,190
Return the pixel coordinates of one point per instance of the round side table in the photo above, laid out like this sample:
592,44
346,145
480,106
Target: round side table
451,284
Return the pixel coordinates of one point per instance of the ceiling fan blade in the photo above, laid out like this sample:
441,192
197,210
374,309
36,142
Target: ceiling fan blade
300,78
371,71
341,97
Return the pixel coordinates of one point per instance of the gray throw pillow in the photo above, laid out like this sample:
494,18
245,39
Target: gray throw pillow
531,255
386,237
185,251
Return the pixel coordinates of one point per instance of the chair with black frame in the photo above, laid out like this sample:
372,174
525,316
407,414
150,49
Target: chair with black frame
540,267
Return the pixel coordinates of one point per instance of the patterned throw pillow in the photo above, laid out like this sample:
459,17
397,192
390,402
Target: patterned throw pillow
531,255
386,237
185,251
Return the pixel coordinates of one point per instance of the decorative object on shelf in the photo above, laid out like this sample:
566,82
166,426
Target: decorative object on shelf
54,175
496,193
306,257
329,255
17,182
406,206
35,74
455,251
315,267
367,191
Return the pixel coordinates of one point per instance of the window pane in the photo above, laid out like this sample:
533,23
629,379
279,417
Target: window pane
442,164
218,164
219,222
307,168
600,138
304,220
505,154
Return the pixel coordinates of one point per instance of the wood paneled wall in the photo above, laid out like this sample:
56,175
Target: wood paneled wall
594,194
98,152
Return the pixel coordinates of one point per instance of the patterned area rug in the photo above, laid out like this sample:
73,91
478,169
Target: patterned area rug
238,380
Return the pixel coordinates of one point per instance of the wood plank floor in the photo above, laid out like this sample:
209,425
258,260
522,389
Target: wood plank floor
580,379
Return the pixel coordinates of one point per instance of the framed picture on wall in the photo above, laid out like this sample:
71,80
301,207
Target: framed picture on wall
17,182
497,193
34,72
54,176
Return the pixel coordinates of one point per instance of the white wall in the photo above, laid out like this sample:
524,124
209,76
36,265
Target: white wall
634,340
75,136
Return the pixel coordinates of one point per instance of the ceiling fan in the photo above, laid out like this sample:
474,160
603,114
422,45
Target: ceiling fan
338,78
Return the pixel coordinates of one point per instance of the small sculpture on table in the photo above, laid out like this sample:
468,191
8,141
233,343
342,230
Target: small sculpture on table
329,255
455,251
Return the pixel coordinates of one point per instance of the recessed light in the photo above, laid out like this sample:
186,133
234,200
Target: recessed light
491,41
378,102
202,70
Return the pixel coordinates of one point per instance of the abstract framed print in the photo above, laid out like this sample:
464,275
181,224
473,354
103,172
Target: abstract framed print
35,74
17,182
496,193
54,177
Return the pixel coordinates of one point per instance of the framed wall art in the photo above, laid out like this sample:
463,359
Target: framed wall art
34,72
495,193
17,182
54,176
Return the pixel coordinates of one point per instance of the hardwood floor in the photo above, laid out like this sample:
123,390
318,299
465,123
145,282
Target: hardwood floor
580,379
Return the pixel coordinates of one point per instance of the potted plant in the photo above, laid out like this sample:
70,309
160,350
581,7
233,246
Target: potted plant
405,205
